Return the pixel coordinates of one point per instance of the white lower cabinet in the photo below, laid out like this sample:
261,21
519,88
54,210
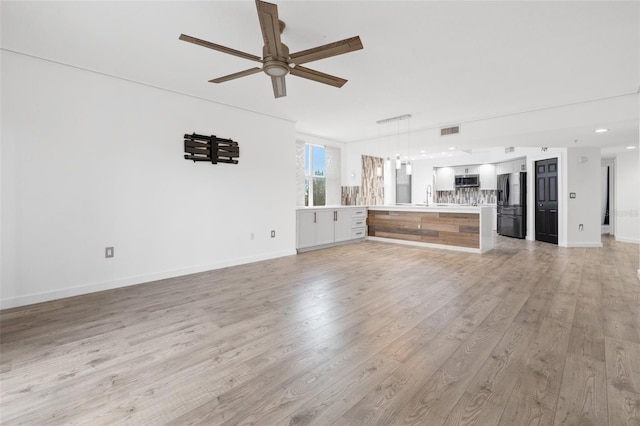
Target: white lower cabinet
306,228
494,221
325,226
342,225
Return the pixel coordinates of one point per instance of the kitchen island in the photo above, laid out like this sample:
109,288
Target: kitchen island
461,228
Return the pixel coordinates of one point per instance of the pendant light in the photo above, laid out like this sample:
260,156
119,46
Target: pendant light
379,166
408,168
398,162
388,160
387,121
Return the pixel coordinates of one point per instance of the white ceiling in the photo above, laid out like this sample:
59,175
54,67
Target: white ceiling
511,73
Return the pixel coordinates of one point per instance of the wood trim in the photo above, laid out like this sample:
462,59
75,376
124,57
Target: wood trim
454,229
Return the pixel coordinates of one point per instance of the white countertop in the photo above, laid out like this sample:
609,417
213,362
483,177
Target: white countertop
328,207
445,208
438,207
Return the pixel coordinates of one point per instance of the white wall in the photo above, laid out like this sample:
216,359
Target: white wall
627,198
583,178
90,161
352,160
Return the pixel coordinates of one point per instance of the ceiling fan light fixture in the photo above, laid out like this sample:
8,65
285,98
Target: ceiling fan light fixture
275,69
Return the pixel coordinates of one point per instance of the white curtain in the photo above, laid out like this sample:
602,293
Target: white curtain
332,164
300,173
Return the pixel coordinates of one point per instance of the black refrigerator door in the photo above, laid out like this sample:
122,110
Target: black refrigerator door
503,185
511,226
523,189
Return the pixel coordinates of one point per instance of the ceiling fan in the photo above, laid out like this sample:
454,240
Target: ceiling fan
276,60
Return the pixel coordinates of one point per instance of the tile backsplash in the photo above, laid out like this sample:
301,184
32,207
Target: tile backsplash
350,195
466,196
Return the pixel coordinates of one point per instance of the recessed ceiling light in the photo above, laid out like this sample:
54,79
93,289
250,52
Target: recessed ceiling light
600,130
631,147
443,153
422,151
452,148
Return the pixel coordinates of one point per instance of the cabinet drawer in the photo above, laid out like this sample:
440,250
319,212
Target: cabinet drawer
359,213
358,233
358,222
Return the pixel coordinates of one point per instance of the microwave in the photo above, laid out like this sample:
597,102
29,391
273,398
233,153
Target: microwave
467,181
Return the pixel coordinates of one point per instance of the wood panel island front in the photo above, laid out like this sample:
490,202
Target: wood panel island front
462,228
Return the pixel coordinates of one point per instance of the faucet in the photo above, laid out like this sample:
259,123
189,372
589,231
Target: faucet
428,195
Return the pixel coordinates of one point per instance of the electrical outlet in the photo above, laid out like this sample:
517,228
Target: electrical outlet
108,252
572,195
273,233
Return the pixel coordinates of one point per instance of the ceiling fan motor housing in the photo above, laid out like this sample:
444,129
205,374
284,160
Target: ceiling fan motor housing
275,67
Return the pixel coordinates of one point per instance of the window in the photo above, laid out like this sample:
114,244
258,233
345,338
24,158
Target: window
315,183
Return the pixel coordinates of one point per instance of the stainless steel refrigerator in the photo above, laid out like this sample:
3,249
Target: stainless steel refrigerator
512,204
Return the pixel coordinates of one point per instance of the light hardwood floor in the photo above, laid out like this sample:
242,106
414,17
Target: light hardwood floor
368,333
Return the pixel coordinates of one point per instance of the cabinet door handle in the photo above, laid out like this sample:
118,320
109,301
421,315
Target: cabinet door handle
314,217
335,215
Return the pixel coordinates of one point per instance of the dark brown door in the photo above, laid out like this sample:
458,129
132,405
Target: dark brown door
547,200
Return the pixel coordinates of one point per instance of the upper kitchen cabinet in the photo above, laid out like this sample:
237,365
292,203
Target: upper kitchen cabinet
445,179
466,170
520,165
502,168
488,177
513,166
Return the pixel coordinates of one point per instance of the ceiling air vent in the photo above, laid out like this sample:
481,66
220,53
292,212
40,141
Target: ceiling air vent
449,130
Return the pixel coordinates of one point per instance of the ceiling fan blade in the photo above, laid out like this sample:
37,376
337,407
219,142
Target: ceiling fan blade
270,26
279,86
219,48
328,50
236,75
317,76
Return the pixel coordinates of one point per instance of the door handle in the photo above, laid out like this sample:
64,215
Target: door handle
314,217
539,205
335,215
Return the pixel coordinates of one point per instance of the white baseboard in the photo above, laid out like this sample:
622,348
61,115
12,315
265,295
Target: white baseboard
427,245
627,240
30,299
583,245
